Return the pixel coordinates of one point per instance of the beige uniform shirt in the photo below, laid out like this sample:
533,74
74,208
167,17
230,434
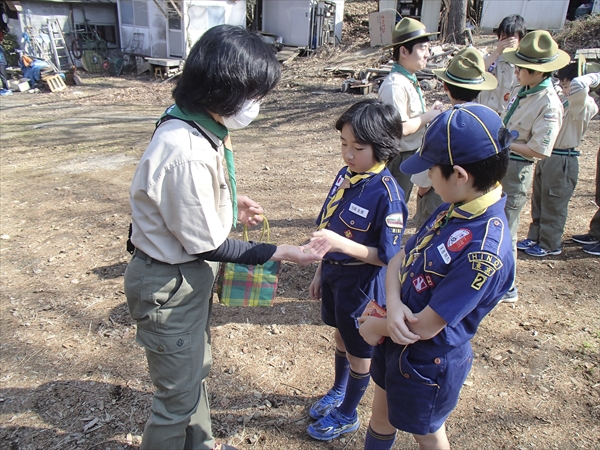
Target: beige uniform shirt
537,120
180,201
397,90
578,112
498,98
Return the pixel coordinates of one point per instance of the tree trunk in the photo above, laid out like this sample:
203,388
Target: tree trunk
456,19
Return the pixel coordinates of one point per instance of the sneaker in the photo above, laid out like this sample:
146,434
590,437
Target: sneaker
511,296
525,244
538,251
332,425
5,92
592,249
584,239
323,407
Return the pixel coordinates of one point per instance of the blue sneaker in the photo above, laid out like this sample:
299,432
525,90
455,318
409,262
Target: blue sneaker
321,408
332,425
511,296
525,244
538,251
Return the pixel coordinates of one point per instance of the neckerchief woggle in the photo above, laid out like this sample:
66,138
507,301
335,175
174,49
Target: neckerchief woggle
219,130
413,79
524,92
351,179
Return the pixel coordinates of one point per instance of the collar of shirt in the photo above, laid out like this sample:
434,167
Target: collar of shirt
477,207
397,68
524,92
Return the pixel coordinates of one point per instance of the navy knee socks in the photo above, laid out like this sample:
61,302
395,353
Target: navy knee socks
377,441
342,369
357,385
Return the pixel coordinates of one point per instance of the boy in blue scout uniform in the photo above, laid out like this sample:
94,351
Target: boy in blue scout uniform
443,283
363,219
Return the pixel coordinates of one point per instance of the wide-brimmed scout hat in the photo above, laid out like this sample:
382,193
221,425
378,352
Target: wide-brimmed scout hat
464,134
538,51
584,67
467,70
407,30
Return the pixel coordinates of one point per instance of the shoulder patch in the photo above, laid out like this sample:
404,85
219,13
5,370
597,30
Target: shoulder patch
395,220
392,187
551,117
485,263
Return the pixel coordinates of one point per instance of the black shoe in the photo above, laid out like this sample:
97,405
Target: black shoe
584,239
592,249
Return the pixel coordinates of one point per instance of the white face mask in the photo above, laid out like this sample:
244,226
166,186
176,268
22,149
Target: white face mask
243,118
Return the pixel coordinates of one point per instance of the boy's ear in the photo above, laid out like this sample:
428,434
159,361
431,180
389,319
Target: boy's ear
462,176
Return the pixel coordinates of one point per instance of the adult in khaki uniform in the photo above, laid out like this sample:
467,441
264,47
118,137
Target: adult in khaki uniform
534,117
510,32
464,78
556,177
182,212
401,89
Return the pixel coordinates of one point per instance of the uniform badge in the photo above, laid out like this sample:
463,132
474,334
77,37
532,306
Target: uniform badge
362,212
485,263
459,239
420,284
551,117
506,96
478,281
429,280
348,234
395,220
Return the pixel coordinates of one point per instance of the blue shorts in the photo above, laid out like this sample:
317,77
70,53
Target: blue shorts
345,292
422,382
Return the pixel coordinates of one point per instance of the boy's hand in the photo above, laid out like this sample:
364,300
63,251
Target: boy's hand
249,212
369,329
315,287
335,241
397,327
504,44
438,106
317,246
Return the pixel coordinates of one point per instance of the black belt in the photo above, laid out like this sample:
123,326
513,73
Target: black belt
140,254
353,263
516,157
566,152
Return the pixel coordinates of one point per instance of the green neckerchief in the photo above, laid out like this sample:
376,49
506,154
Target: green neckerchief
413,79
219,130
524,92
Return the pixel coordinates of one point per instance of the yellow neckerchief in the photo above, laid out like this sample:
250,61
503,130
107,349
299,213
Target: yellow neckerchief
467,211
335,198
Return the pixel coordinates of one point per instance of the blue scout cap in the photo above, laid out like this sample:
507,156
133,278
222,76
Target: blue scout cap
463,134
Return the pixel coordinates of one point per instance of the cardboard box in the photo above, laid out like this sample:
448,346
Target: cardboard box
381,25
21,85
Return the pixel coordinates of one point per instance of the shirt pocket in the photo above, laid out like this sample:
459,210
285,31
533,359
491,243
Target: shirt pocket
436,260
523,125
414,104
354,221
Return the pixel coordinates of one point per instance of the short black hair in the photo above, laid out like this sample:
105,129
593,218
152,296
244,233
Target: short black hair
569,72
226,67
409,46
544,74
461,93
488,172
374,123
511,25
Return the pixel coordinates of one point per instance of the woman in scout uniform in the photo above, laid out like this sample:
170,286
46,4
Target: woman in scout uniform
363,220
410,41
555,177
444,282
464,78
182,212
510,32
534,116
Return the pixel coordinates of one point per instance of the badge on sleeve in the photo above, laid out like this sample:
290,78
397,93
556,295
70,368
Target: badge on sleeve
459,239
485,263
395,220
478,281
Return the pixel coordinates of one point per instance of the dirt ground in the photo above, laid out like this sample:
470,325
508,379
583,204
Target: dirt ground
72,376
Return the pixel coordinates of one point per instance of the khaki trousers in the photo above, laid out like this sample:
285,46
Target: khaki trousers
516,184
554,182
172,305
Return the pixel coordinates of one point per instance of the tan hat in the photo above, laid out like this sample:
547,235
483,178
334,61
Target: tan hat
538,51
407,30
467,70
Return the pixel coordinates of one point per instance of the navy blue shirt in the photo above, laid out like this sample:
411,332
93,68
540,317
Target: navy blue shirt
372,212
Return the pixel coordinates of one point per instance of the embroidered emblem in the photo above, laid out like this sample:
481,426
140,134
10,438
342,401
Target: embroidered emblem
420,284
429,280
362,212
459,239
478,281
506,96
395,220
551,117
348,234
485,263
444,253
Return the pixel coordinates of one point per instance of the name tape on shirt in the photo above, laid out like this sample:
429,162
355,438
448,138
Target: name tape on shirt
362,212
485,263
444,253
